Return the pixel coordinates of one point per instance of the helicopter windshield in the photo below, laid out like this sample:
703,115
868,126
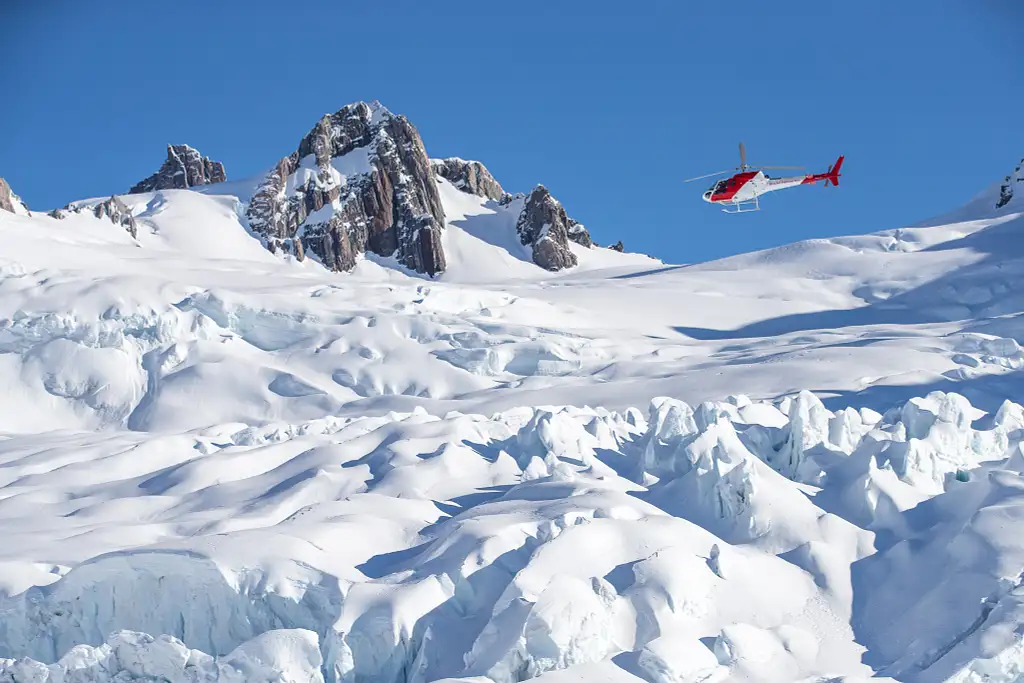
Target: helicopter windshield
719,186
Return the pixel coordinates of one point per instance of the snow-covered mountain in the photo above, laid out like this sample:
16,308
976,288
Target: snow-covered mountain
361,182
545,460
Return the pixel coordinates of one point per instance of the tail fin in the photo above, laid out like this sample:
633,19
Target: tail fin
833,172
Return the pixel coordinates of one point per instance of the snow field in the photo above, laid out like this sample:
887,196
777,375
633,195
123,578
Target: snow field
217,463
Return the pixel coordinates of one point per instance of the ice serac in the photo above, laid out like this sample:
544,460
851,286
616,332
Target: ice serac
1006,189
277,656
469,176
10,201
360,181
185,167
545,226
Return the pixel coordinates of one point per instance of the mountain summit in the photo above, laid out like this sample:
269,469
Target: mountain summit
361,181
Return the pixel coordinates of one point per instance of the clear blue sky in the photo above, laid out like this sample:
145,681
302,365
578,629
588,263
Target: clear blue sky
609,104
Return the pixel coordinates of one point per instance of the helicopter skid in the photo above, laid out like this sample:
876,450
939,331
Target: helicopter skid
744,206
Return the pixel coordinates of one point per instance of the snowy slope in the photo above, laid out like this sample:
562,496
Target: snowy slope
762,468
483,247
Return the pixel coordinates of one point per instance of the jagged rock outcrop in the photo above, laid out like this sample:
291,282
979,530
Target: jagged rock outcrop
118,212
1006,190
579,234
10,201
114,209
509,198
185,167
474,178
469,176
360,181
544,226
617,246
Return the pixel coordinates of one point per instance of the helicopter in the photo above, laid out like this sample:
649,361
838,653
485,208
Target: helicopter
740,193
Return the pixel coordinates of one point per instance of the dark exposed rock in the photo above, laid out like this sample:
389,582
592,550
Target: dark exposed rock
579,234
10,201
544,225
509,198
469,176
118,213
185,167
617,246
113,209
382,199
1006,190
1005,194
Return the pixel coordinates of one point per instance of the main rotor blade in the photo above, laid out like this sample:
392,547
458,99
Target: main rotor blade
707,175
743,155
794,168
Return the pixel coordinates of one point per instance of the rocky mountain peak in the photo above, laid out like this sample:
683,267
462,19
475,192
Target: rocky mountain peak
10,201
545,226
469,176
1007,188
359,181
337,134
185,167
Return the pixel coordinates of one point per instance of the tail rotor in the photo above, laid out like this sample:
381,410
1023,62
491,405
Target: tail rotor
832,176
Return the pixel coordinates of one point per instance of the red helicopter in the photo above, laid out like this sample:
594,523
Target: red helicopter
740,193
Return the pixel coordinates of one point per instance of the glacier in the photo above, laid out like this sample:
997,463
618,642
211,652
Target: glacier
219,463
417,547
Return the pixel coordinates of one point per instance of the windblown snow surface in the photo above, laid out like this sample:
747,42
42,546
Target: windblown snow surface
218,464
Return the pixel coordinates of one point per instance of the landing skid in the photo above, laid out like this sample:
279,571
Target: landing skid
742,207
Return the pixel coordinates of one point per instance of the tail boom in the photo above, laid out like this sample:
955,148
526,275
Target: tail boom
830,176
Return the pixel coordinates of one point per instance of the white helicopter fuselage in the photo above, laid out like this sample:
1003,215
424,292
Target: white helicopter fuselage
740,192
753,187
